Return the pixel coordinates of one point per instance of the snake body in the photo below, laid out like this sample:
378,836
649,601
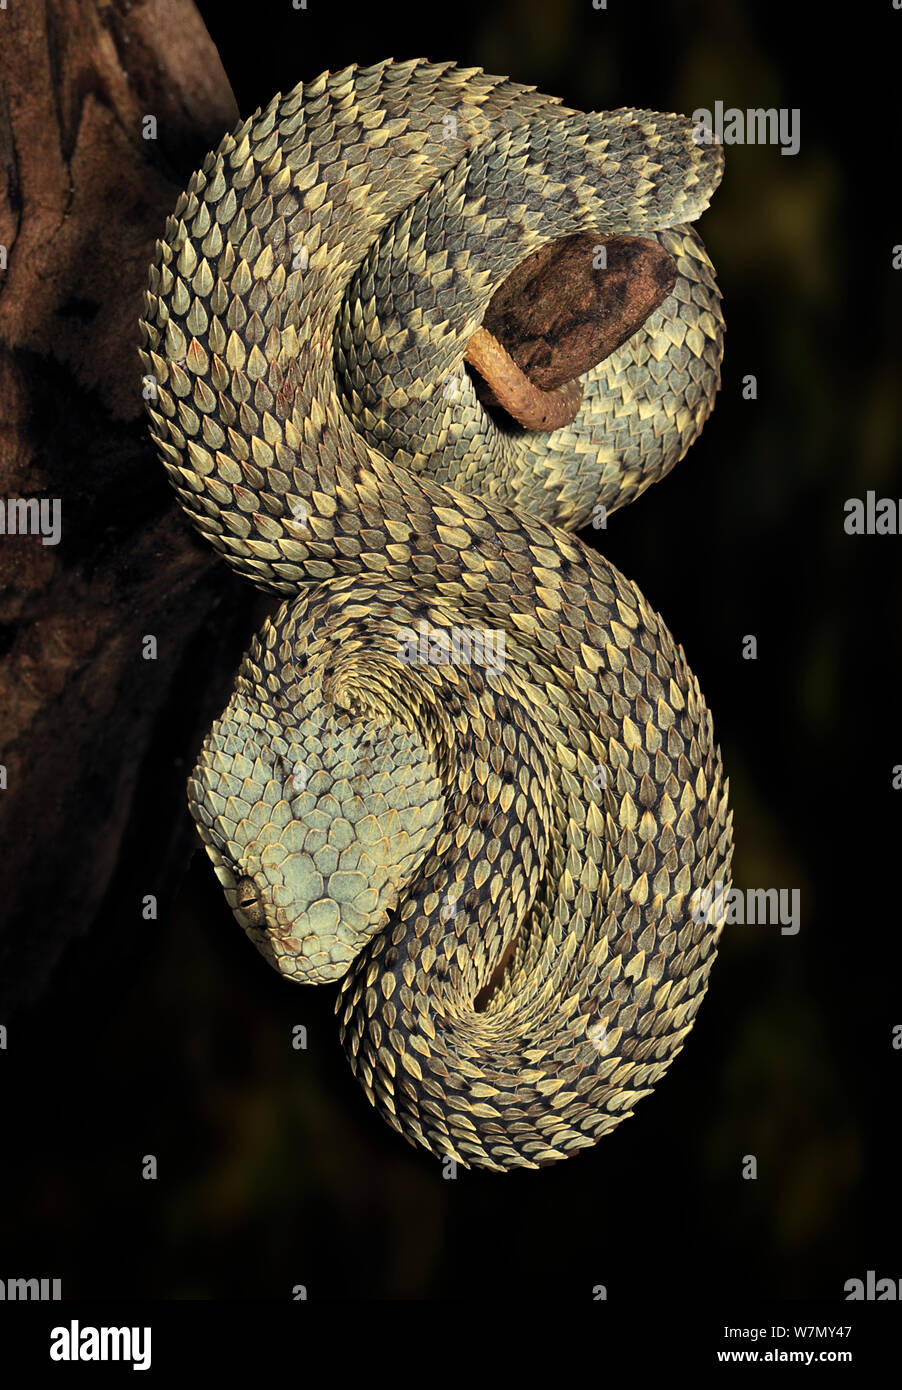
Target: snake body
497,855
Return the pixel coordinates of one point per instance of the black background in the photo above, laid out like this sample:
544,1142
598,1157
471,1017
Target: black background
273,1169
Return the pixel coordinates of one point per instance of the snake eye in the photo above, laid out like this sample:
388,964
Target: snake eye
250,901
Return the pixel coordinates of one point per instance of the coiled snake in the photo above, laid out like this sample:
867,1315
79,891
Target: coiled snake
465,769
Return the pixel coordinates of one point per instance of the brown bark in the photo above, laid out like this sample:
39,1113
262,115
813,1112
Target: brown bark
565,308
513,390
94,739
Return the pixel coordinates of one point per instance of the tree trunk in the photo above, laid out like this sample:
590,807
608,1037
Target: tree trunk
105,110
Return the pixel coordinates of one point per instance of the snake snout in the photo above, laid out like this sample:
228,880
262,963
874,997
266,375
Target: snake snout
251,902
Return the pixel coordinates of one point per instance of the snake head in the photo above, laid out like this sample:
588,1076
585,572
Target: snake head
314,816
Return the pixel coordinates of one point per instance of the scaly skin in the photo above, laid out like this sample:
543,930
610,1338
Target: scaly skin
410,826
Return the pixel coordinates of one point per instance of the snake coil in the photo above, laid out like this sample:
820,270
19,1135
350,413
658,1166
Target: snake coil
465,769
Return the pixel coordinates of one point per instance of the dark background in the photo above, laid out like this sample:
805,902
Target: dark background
174,1038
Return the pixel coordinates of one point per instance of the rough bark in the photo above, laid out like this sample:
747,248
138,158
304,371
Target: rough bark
94,738
566,307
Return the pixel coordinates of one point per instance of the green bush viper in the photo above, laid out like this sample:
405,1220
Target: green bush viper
465,769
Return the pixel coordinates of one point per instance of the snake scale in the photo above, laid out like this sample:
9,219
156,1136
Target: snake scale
497,858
